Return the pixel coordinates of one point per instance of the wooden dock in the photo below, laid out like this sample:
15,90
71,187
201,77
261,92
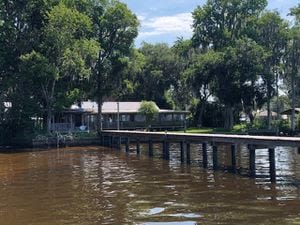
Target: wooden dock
112,138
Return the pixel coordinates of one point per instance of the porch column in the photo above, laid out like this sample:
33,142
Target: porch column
71,121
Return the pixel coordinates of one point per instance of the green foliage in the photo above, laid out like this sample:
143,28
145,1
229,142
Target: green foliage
218,23
57,52
115,28
149,109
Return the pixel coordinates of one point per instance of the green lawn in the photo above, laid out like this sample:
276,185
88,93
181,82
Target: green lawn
237,129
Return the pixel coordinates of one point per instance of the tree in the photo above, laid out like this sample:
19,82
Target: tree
159,71
250,58
200,74
128,85
21,26
180,94
65,57
115,29
292,59
219,25
272,35
149,110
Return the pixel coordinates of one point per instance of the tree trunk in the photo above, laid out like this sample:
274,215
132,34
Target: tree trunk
201,111
277,95
228,117
293,104
49,120
249,113
269,109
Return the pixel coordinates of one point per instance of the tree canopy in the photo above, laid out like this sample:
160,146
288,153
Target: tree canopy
55,53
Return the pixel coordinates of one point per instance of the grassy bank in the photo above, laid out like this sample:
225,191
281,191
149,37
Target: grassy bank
237,129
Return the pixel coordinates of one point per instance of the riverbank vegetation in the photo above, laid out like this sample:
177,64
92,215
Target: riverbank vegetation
240,59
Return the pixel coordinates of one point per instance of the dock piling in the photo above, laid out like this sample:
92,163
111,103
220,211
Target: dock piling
252,165
233,158
166,150
204,155
188,153
127,145
138,148
272,164
182,152
215,157
150,148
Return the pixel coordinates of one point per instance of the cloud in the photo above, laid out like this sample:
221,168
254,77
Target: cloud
178,24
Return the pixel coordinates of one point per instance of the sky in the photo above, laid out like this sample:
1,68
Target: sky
167,20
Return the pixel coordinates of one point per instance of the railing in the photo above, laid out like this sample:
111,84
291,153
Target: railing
62,127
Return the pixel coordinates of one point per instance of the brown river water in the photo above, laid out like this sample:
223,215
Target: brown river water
93,185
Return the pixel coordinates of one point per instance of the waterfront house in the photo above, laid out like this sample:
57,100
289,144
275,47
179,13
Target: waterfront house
83,117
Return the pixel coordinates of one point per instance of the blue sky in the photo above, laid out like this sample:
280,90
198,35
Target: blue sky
166,20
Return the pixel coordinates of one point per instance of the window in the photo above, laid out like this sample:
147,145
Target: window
166,117
125,118
140,118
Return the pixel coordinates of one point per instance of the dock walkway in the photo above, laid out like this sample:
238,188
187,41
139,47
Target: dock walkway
254,143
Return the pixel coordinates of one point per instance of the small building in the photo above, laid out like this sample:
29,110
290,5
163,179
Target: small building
264,114
83,117
288,112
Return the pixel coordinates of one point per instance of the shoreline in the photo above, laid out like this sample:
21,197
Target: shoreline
39,145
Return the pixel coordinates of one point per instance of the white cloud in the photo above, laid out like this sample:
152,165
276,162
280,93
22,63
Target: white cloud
141,18
179,25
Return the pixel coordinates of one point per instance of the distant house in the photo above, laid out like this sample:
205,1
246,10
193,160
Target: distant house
288,112
83,117
264,114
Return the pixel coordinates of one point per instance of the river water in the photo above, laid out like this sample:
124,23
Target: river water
93,185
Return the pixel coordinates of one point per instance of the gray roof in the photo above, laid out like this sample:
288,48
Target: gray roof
112,107
264,113
289,111
124,107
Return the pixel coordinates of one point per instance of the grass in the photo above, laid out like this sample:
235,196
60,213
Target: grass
237,129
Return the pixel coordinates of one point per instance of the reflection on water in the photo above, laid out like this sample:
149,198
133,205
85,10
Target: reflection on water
92,185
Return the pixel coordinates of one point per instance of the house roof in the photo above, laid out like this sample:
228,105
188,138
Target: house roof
289,111
124,107
264,113
112,107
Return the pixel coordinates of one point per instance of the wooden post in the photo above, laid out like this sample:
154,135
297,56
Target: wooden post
119,143
252,166
182,152
127,144
188,153
105,143
233,158
164,147
272,164
204,155
138,148
166,152
115,142
150,148
111,141
102,140
215,157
